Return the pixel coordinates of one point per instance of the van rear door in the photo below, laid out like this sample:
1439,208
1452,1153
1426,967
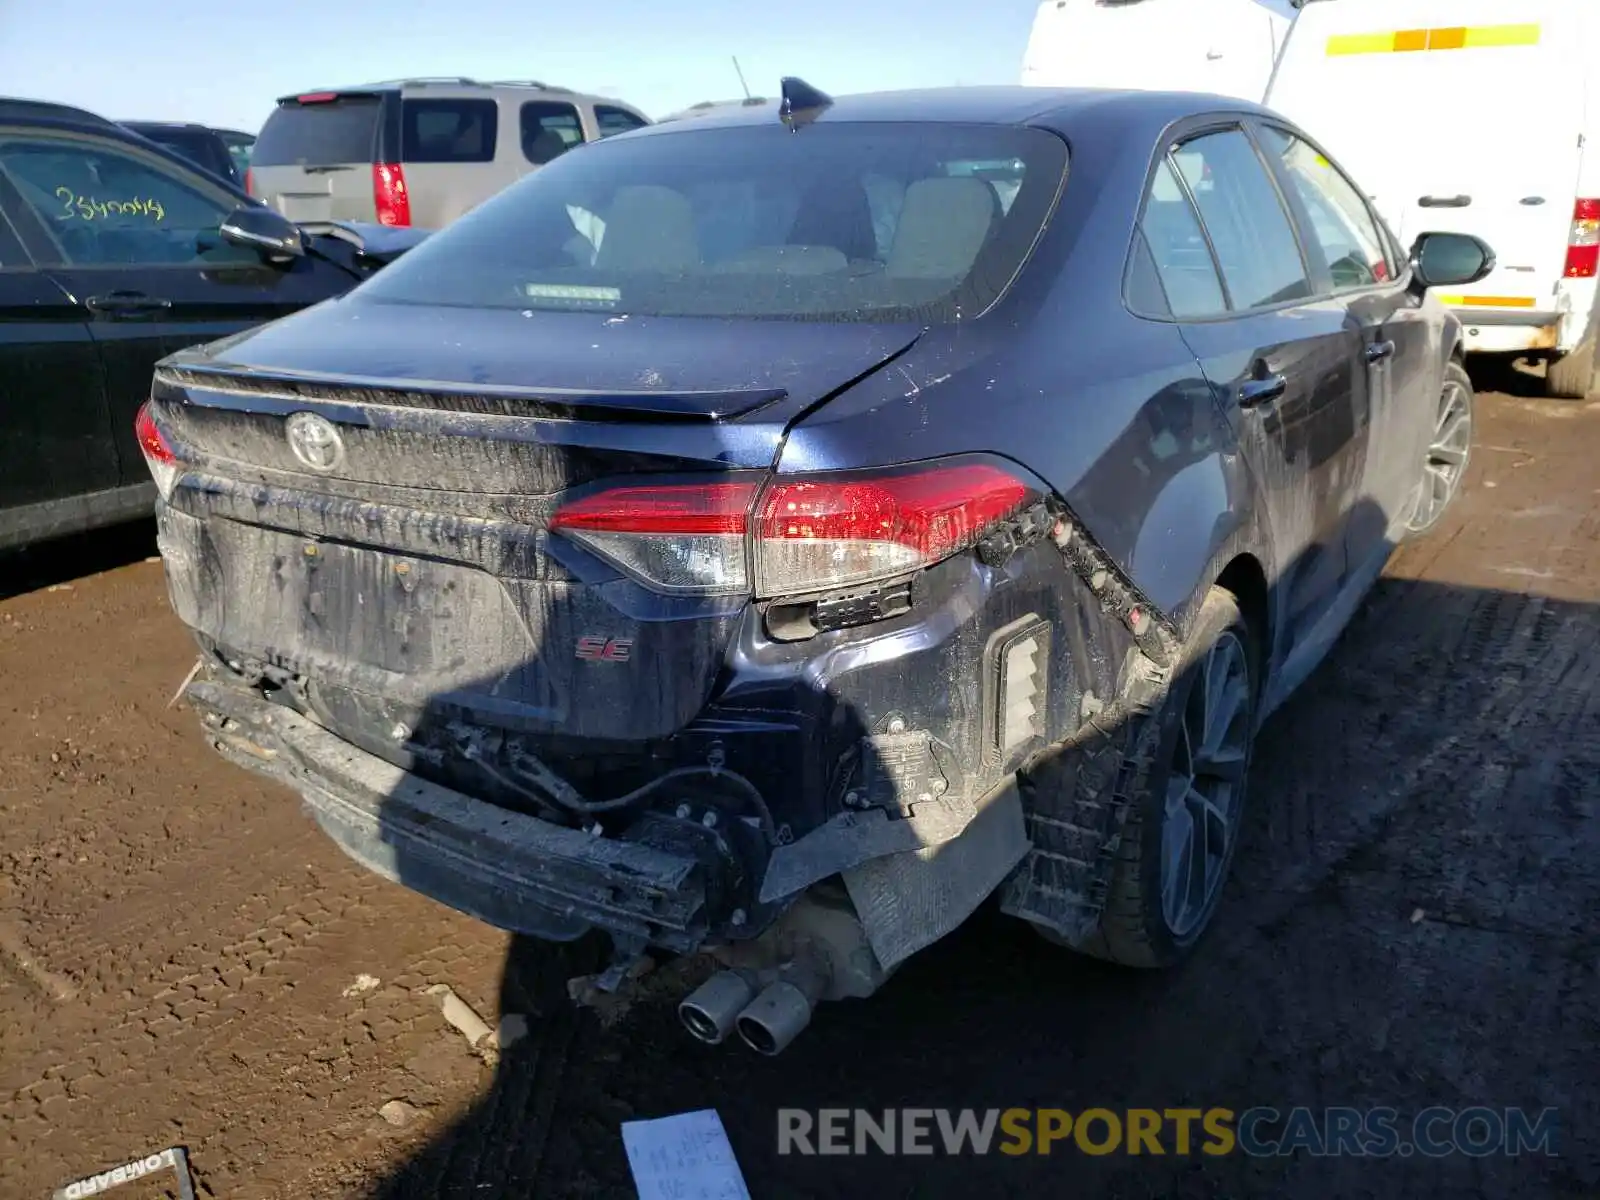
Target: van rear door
314,158
1458,115
1225,47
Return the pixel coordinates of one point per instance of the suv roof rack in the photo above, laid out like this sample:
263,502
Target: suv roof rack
16,109
532,83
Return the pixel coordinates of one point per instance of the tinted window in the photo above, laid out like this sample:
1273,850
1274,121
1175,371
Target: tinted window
615,120
1249,229
324,133
849,222
549,130
448,131
103,206
1178,247
1341,222
198,146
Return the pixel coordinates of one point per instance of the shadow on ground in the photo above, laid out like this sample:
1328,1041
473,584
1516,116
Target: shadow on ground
54,562
1409,924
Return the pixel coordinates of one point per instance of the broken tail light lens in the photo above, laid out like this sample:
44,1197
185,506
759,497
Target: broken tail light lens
158,455
796,536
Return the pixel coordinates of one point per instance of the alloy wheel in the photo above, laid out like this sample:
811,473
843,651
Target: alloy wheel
1205,786
1447,458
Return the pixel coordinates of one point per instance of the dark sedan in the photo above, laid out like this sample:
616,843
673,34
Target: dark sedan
774,533
115,252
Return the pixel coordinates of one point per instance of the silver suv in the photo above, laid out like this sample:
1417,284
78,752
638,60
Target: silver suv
418,151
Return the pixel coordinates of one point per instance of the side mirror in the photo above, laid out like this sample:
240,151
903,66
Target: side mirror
275,237
1450,259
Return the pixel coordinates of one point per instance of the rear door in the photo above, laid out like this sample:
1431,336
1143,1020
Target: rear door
1281,358
1463,116
55,427
448,148
314,159
132,240
1399,350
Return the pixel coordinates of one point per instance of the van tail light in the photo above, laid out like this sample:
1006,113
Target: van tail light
1583,246
794,536
158,455
389,194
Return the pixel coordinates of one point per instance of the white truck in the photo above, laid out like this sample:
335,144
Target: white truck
1225,47
1476,116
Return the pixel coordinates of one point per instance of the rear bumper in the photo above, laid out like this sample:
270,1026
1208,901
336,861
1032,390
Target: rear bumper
1495,331
506,868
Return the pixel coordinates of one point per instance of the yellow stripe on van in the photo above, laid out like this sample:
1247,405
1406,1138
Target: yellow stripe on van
1454,37
1488,301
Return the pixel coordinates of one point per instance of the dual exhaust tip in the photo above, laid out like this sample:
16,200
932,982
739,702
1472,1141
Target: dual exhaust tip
767,1021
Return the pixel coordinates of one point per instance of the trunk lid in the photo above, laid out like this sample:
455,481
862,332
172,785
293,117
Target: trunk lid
406,566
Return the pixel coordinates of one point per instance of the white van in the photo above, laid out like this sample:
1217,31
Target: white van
1478,116
1225,47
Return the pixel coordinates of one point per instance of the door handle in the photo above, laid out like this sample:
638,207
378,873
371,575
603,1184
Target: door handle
1256,392
1378,351
126,305
1445,201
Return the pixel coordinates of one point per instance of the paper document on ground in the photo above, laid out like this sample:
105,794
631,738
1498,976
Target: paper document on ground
686,1157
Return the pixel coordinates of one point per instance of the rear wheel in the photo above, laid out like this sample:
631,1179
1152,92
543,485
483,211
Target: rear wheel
1449,451
1182,828
1572,377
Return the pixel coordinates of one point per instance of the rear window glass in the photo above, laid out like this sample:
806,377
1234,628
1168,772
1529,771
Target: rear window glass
203,149
448,131
326,133
848,222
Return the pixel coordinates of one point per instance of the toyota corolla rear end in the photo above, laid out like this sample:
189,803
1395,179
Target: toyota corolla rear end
492,561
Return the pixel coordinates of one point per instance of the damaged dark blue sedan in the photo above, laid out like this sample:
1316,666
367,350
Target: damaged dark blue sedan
777,533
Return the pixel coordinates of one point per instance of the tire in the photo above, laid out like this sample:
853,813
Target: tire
1449,452
1139,926
1572,377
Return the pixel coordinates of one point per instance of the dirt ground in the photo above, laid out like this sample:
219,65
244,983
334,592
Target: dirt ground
185,960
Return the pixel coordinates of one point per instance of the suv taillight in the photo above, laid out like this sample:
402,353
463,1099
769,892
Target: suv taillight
249,182
1583,245
158,455
389,194
795,536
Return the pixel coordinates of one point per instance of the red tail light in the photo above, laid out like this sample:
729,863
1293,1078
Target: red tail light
1583,245
797,536
158,455
249,182
389,194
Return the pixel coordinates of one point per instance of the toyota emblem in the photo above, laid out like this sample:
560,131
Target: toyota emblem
315,441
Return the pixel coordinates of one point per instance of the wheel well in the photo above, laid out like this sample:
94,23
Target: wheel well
1247,581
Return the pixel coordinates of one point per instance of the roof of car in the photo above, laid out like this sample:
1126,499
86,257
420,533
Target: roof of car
442,82
168,125
18,109
1004,105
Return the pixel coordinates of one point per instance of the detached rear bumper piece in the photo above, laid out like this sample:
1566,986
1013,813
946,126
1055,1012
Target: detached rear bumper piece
506,868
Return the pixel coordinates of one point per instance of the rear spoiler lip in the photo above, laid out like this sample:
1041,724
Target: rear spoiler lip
289,389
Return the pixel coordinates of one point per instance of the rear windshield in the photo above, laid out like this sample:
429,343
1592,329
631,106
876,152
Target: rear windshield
202,149
324,133
448,131
847,222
